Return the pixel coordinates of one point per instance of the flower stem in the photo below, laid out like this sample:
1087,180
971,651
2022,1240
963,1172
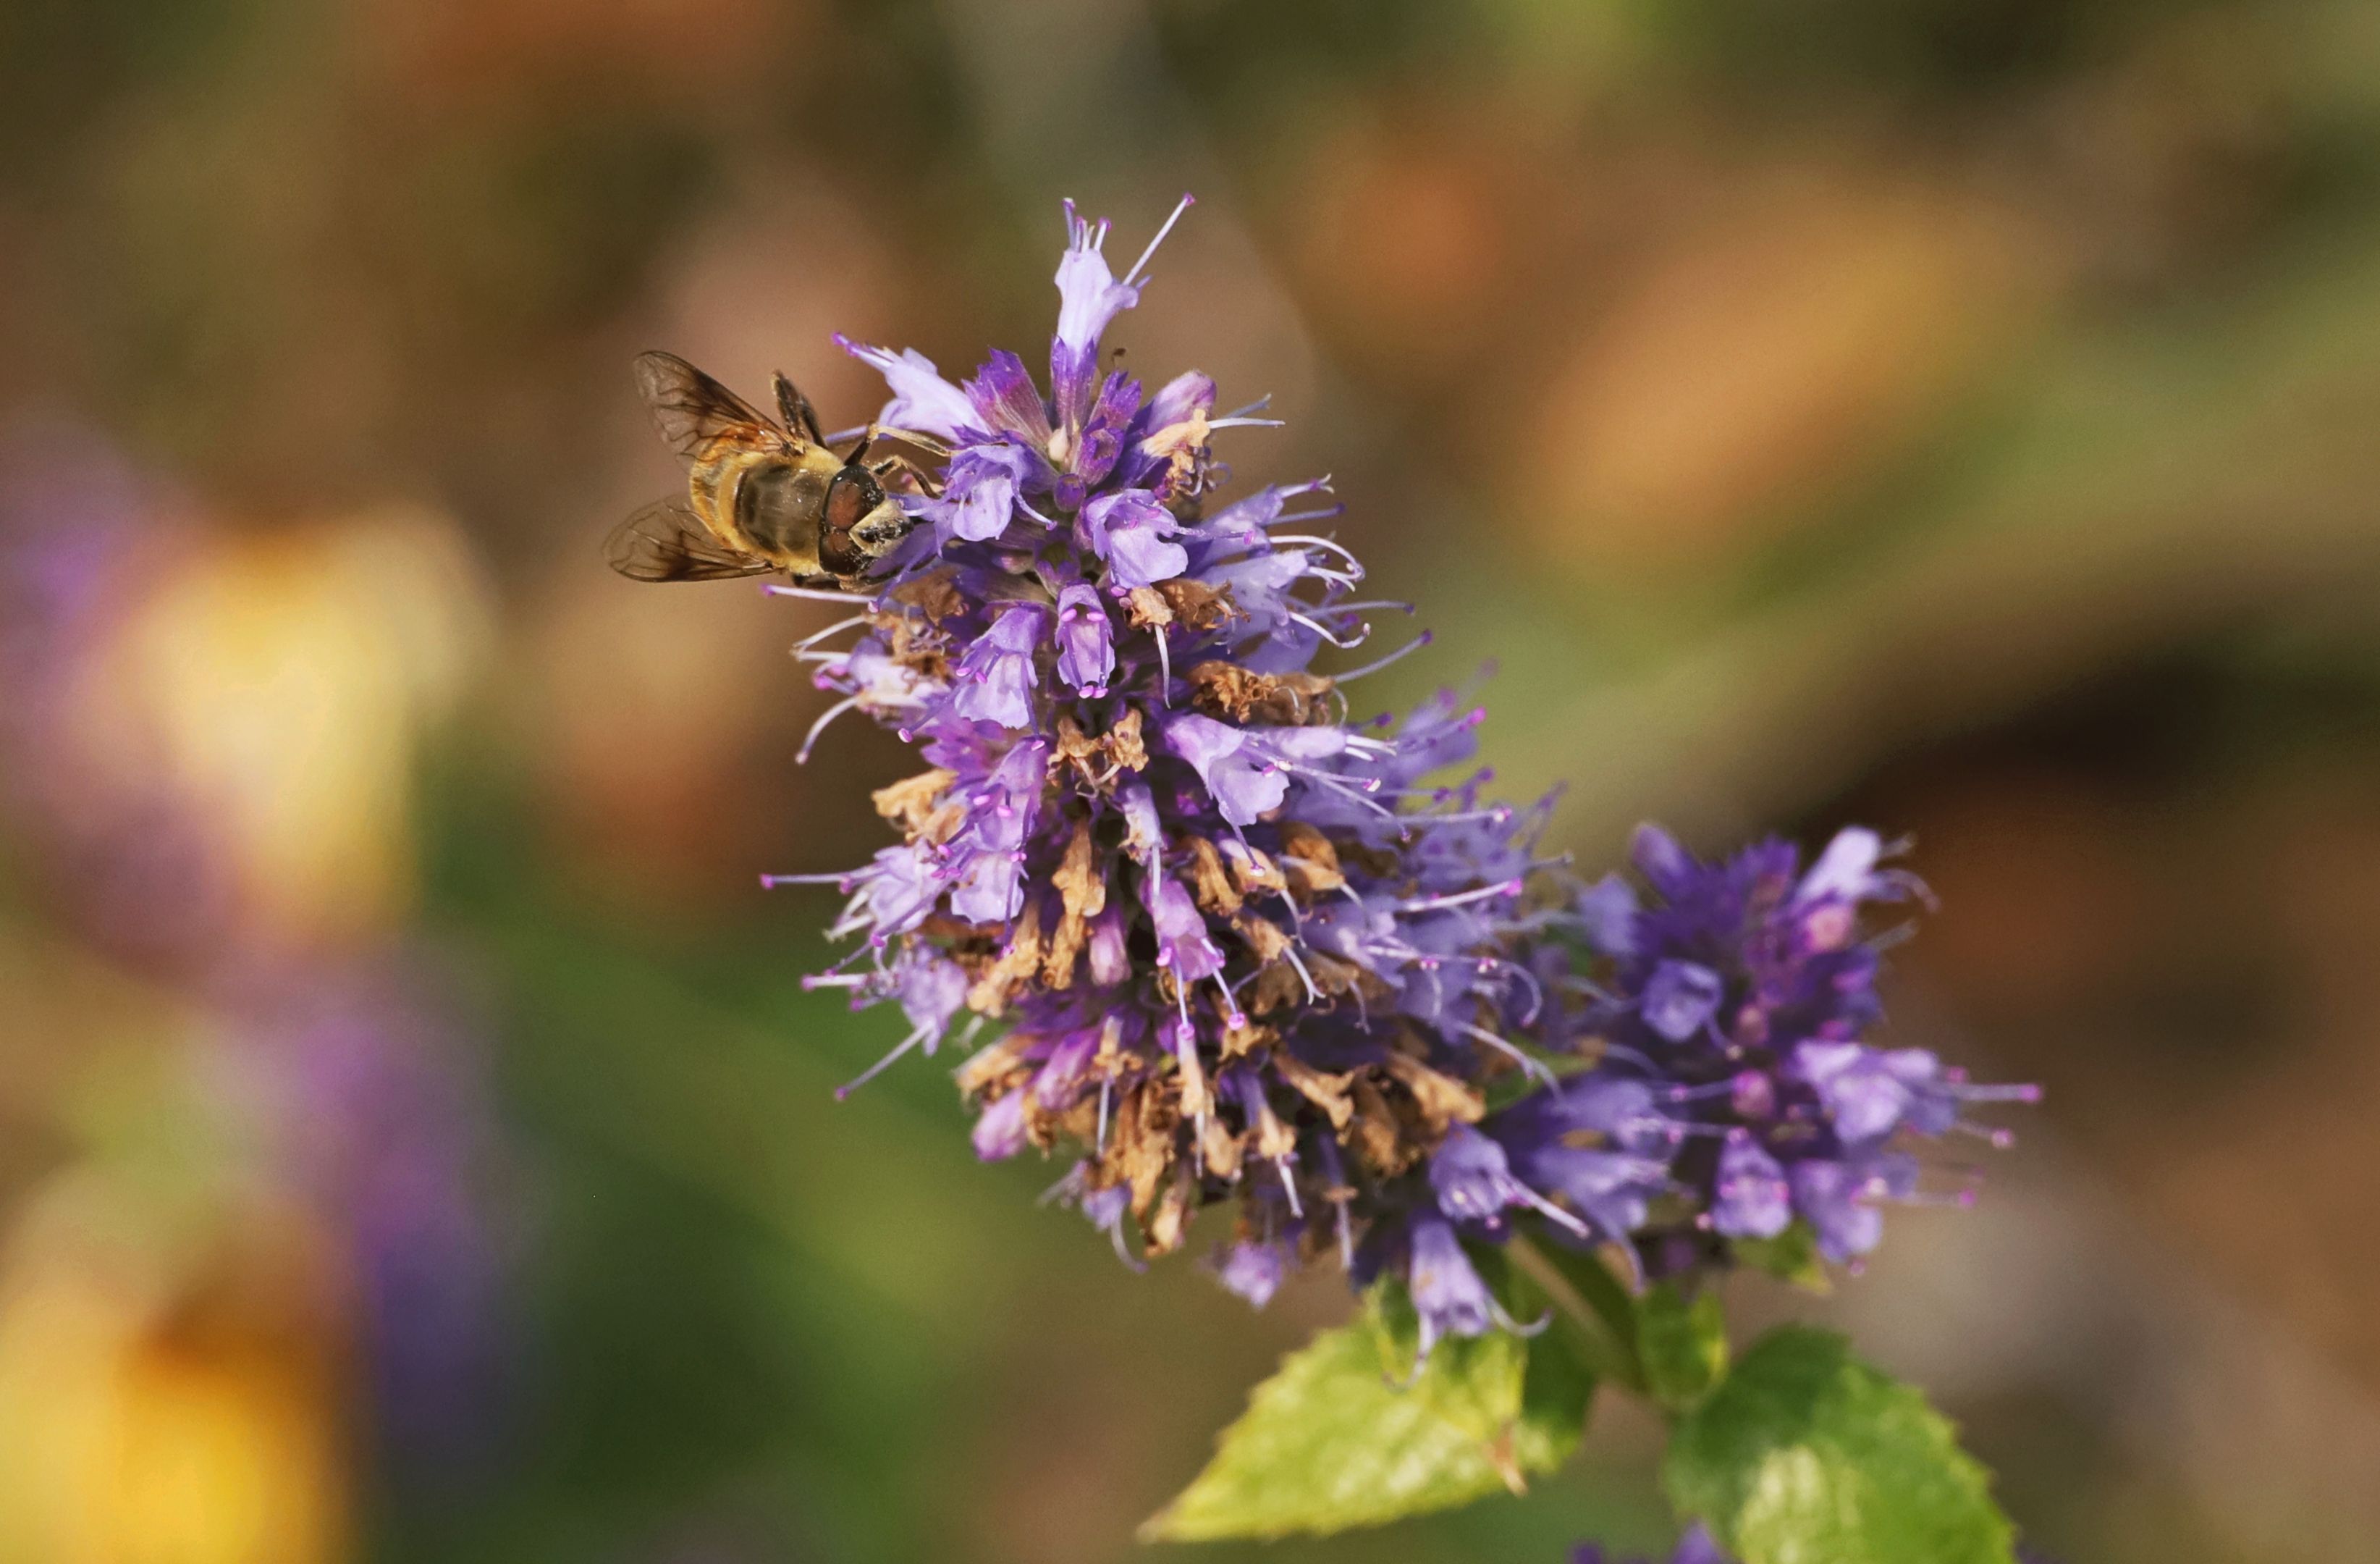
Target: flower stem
1592,1307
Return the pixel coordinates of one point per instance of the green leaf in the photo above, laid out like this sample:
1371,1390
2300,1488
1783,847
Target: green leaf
1334,1439
1682,1345
1557,1387
1804,1455
1791,1256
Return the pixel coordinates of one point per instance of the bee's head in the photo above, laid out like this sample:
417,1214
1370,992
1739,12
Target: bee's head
863,522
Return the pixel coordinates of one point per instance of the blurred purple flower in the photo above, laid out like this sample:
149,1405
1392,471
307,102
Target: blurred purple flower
380,1098
1696,1546
1740,996
127,861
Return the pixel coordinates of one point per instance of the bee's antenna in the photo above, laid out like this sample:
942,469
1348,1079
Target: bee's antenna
866,438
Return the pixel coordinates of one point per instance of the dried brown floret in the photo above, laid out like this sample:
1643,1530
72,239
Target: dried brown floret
1020,960
1334,977
1097,761
1327,1091
937,596
917,647
1273,1139
1309,861
1220,1149
1195,1098
1379,1137
1074,747
1244,1038
1080,883
1211,883
910,804
1147,609
1166,1228
1140,1143
994,1071
1251,868
1277,987
1226,690
1266,940
1182,446
1197,606
1441,1098
1125,748
1066,943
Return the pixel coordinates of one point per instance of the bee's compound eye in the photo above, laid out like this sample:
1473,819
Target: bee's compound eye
850,498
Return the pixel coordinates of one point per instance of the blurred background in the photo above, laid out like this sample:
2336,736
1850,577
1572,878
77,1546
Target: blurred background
1955,415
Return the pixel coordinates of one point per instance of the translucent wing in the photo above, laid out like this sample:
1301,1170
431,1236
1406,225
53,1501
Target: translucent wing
690,408
666,541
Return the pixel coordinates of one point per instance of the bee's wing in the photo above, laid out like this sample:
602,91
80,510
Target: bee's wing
690,408
666,541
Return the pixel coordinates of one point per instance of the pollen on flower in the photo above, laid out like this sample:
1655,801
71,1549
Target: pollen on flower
1244,948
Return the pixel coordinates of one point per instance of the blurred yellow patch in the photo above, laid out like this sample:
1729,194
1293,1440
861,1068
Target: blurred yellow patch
162,1404
273,687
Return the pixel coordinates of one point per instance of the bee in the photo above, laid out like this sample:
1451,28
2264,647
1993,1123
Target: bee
762,493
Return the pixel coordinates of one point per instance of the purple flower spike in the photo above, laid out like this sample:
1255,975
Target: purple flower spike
1790,1114
1003,398
1086,646
922,399
1751,1198
999,1133
1447,1292
1243,787
1235,940
1838,1201
997,674
1678,999
1254,1271
1606,912
1096,448
1088,295
1862,1091
1471,1177
1183,945
1129,531
1090,298
979,497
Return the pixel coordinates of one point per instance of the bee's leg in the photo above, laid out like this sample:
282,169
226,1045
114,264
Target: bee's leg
899,462
794,408
933,445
